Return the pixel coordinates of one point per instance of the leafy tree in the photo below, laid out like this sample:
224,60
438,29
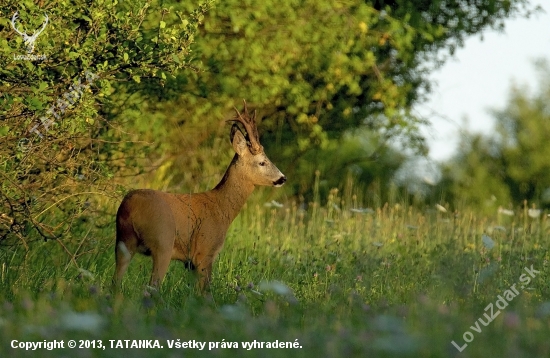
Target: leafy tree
59,142
512,165
475,177
524,129
315,69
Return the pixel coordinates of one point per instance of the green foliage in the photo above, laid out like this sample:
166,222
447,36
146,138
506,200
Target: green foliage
317,69
511,166
475,177
360,157
524,126
59,142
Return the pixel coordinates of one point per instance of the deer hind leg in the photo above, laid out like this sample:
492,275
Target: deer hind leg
161,261
123,255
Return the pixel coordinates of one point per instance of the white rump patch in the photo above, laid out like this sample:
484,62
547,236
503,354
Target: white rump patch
122,248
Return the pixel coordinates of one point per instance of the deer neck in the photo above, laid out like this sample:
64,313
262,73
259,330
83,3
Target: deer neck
233,190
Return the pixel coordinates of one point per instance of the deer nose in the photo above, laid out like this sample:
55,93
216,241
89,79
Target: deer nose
280,181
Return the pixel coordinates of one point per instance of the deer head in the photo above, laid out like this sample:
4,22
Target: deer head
257,166
29,40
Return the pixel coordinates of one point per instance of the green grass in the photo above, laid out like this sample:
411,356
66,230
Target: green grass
397,282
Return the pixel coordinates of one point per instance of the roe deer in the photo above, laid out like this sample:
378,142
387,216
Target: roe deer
191,227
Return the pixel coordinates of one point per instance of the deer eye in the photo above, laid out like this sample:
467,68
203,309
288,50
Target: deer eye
262,164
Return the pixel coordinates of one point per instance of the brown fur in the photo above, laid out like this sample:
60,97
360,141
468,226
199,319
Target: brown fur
191,227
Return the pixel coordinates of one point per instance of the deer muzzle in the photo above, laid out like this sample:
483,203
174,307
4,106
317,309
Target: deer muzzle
279,182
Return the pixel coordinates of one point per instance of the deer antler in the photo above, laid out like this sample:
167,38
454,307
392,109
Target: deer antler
15,16
249,124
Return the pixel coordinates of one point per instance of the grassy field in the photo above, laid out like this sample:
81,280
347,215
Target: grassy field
328,281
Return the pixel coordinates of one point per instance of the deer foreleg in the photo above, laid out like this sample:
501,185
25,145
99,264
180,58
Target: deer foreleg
204,269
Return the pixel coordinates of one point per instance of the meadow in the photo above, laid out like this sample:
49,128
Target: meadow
341,278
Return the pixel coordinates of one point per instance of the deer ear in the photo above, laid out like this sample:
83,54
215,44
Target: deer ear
239,141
